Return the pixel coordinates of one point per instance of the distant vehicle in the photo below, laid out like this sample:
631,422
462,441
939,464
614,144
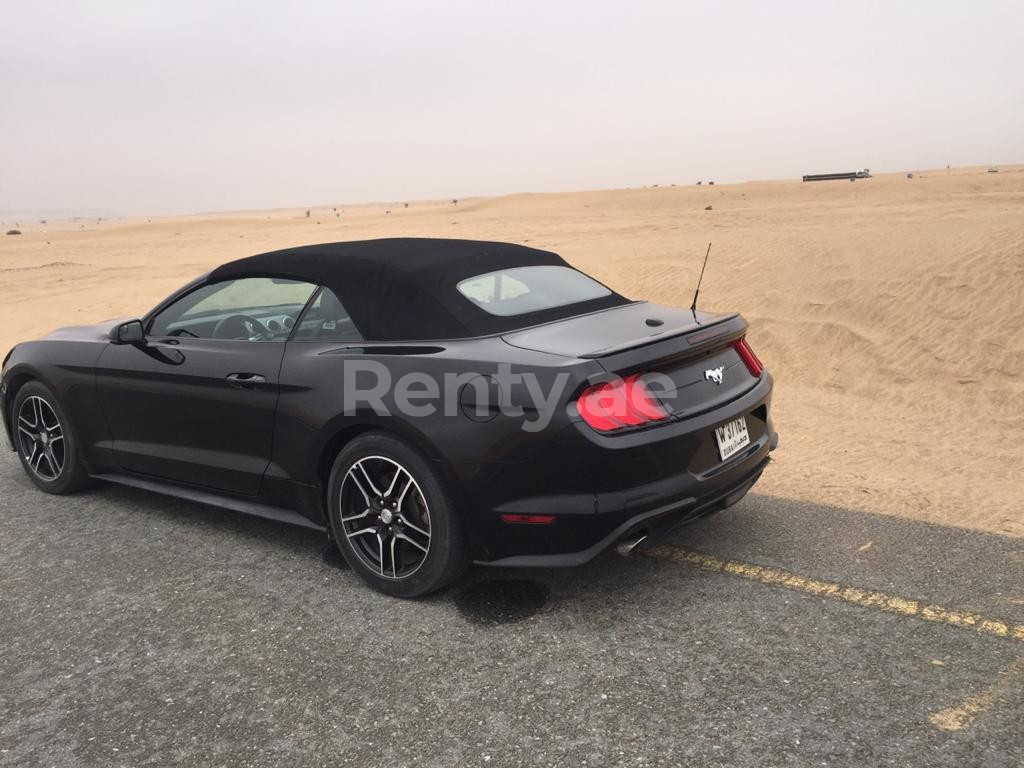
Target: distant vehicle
235,392
863,173
993,169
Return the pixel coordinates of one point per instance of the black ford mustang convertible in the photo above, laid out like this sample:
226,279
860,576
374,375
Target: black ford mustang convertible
427,403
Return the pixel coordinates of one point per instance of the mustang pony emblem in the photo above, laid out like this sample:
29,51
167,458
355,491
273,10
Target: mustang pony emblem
715,374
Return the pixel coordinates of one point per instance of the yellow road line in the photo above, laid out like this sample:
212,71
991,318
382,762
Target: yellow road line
862,597
958,718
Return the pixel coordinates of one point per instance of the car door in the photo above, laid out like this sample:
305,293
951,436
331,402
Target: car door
195,402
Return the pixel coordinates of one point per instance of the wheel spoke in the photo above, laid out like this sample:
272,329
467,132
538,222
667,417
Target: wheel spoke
361,532
401,496
416,544
51,462
416,528
380,546
394,481
394,565
369,481
31,435
39,458
23,420
362,514
359,485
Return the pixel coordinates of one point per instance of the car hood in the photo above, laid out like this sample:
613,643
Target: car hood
96,332
610,330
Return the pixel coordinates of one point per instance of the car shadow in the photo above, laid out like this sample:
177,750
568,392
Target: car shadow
917,560
934,564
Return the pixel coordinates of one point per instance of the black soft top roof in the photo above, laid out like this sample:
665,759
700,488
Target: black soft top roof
404,289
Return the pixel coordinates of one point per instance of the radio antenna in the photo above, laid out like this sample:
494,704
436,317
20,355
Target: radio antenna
696,293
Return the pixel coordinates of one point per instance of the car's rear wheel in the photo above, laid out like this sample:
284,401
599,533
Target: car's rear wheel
392,518
46,442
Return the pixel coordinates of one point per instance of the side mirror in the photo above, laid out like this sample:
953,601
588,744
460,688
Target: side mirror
131,332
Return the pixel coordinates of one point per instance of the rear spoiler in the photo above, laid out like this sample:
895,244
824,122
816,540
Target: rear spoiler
695,337
675,348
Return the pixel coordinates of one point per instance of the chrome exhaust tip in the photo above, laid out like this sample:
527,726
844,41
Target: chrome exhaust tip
625,548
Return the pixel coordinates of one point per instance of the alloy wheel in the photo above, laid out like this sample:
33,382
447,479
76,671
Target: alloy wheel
41,438
385,517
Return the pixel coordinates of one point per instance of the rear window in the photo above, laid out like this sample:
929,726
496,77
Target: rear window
521,290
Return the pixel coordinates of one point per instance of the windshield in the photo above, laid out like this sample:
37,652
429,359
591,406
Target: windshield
520,290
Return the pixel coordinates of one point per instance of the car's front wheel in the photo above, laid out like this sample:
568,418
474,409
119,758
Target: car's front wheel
45,441
392,518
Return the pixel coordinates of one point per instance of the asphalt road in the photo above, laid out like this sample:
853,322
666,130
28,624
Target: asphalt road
140,630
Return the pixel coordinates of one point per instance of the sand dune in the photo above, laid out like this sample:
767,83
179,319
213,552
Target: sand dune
890,310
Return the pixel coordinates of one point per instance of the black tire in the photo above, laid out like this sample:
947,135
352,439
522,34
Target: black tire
384,543
55,464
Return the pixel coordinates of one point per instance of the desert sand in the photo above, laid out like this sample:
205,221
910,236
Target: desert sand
889,310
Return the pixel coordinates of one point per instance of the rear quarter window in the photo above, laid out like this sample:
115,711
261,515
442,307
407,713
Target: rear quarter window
521,290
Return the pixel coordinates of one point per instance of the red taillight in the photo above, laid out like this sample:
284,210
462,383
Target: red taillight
529,519
620,403
749,358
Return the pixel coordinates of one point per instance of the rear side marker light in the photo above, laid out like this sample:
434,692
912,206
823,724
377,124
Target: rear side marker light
528,519
618,404
749,358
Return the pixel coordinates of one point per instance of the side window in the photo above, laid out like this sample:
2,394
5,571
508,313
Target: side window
247,309
326,320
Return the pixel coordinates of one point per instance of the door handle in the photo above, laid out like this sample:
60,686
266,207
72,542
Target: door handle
247,381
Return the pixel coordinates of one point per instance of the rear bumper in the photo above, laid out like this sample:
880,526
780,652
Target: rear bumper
650,525
603,490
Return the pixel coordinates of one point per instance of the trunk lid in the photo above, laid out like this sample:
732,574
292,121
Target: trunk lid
611,330
693,350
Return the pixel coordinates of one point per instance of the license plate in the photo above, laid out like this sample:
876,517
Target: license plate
732,437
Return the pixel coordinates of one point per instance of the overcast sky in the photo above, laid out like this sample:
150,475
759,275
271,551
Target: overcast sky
138,106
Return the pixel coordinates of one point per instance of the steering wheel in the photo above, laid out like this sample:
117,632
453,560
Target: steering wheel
238,327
